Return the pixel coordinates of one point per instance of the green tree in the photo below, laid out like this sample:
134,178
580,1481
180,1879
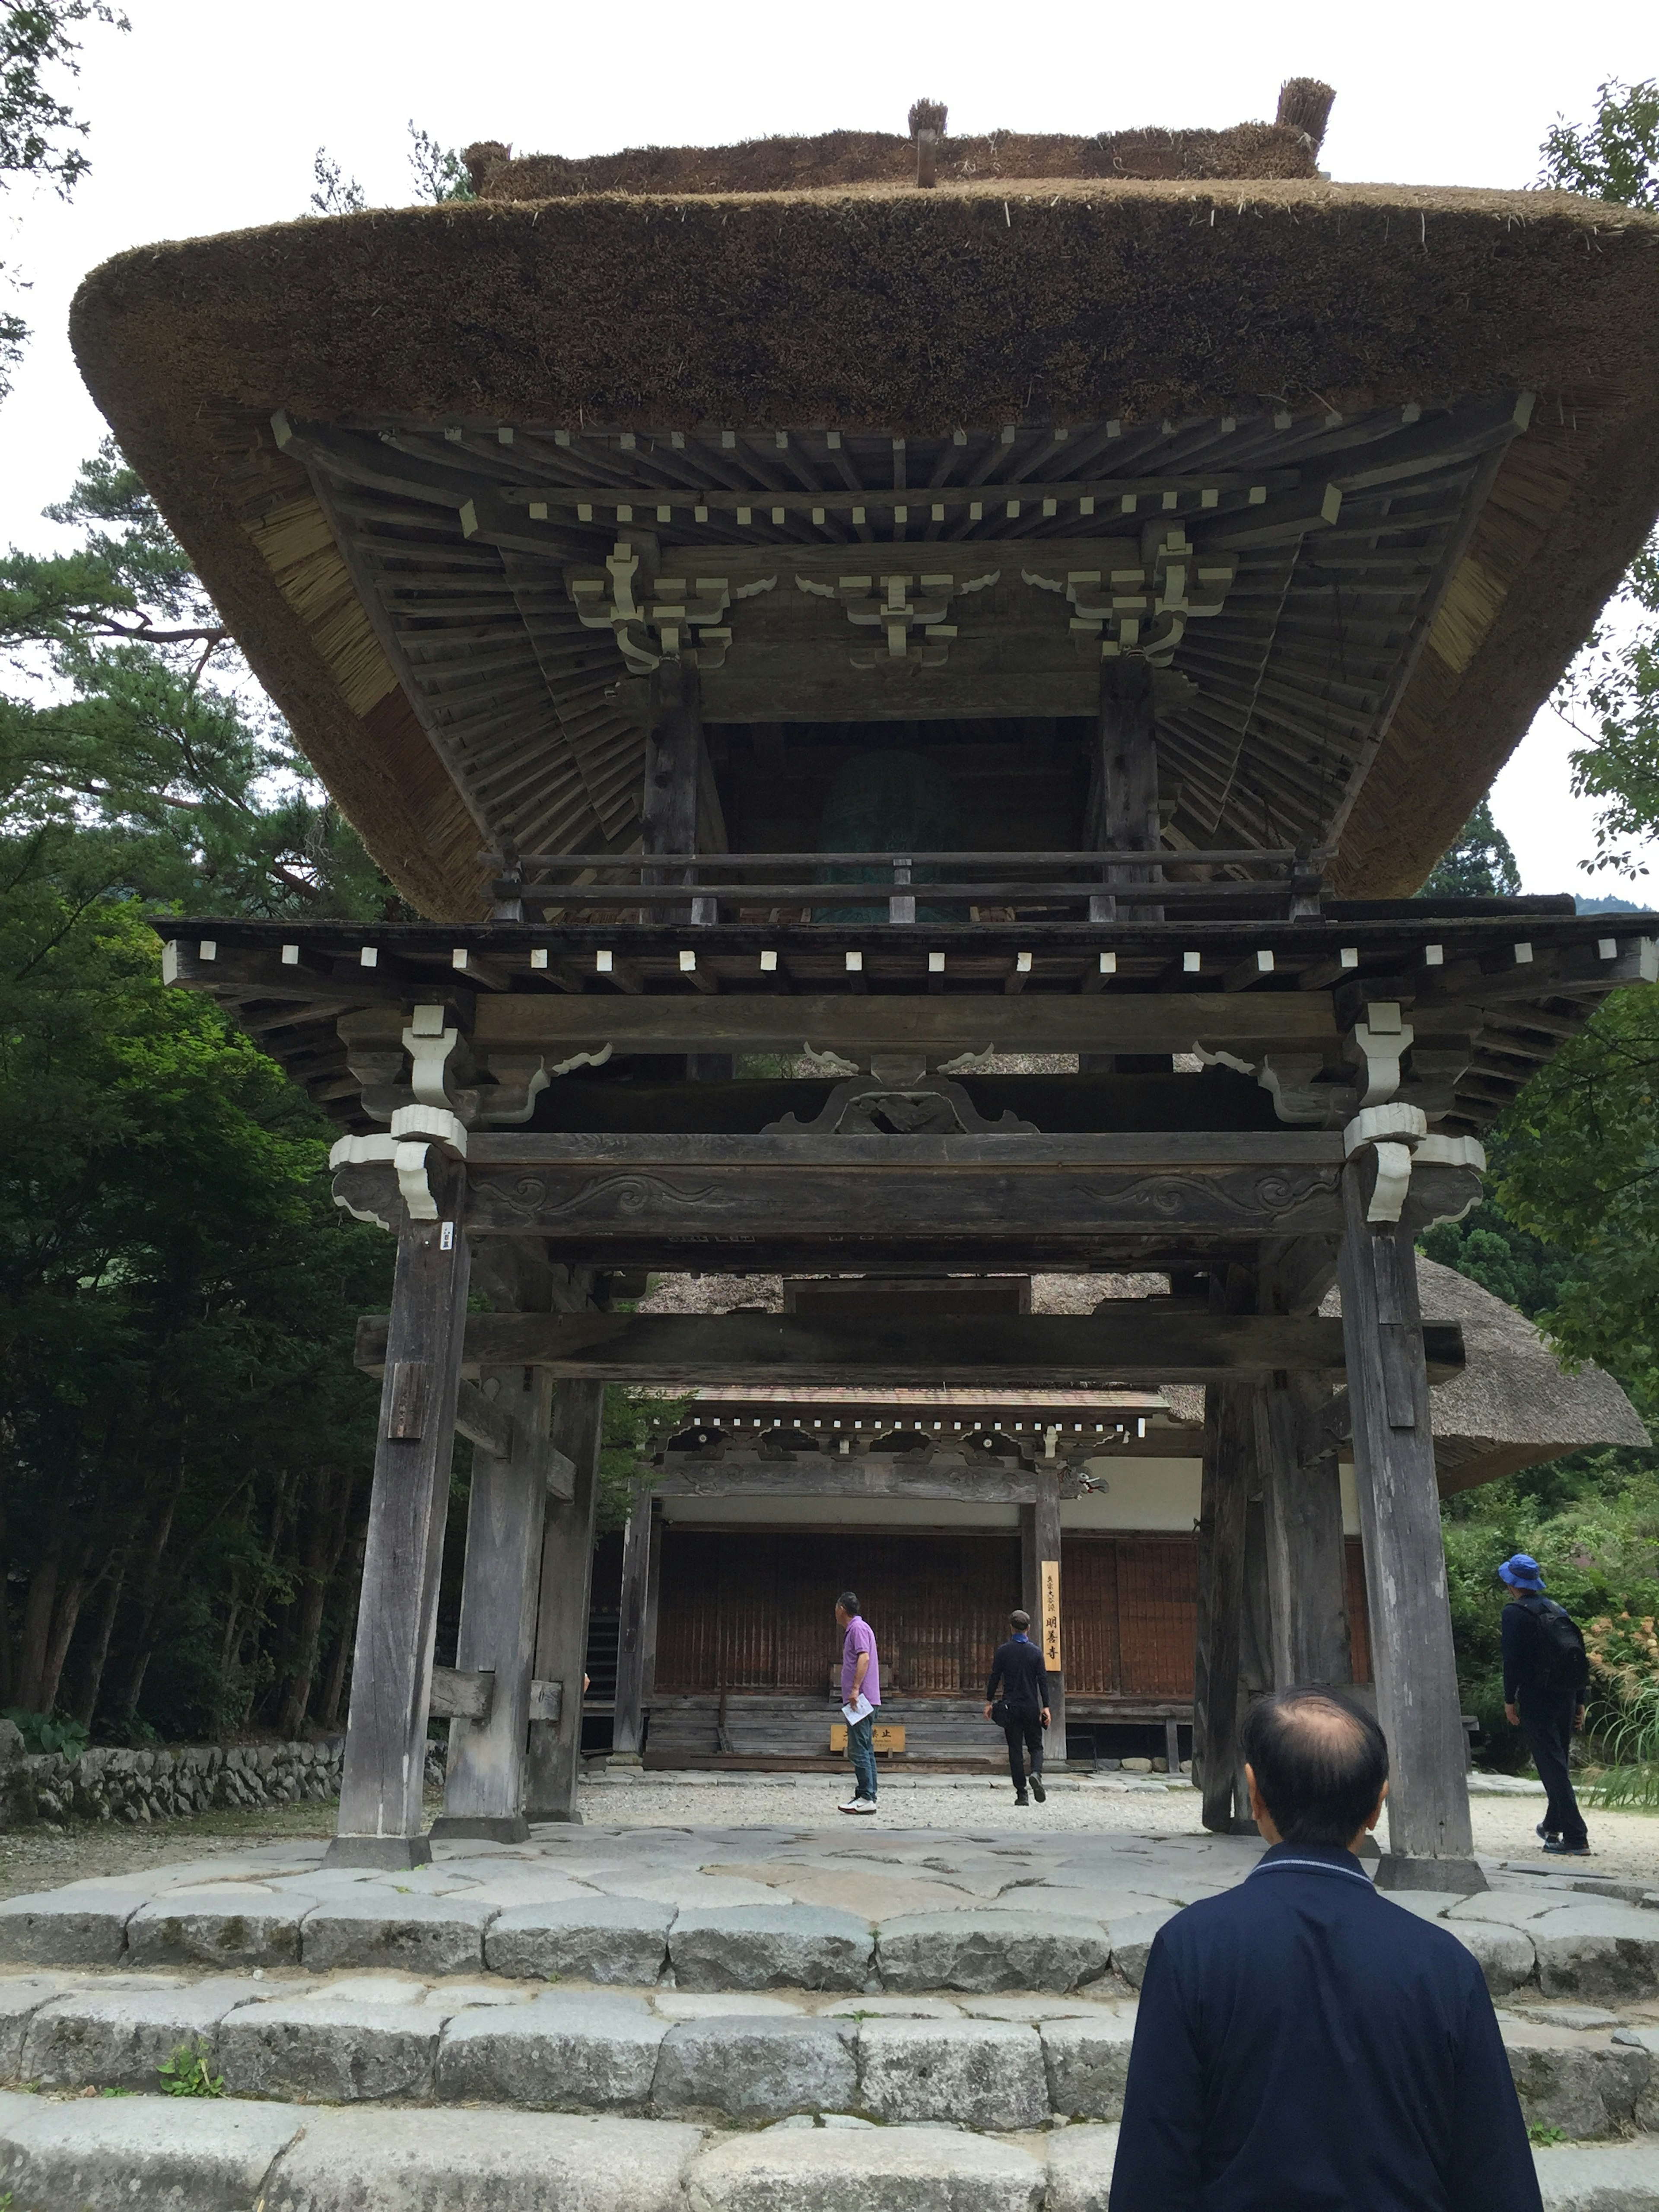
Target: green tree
1481,863
40,136
1611,696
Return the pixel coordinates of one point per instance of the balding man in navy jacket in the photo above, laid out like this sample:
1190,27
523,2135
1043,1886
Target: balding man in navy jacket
1303,2045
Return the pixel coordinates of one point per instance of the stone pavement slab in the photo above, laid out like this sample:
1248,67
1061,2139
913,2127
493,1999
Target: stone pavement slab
981,2073
751,2069
610,1938
119,2038
220,1924
1610,2177
889,2170
379,1926
770,1947
1080,2162
115,2155
1087,2064
329,2047
564,2050
982,1951
443,2160
68,1928
21,1996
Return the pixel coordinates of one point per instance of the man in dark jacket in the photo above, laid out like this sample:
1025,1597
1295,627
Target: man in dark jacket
1544,1695
1303,2045
1018,1668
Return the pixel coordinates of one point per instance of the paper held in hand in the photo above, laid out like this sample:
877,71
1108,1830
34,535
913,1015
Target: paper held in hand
859,1708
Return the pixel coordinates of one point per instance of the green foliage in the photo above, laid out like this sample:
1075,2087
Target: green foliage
1614,157
40,136
47,1732
1481,864
1611,696
627,1434
1579,1170
332,192
1511,1263
185,2074
1545,2138
439,173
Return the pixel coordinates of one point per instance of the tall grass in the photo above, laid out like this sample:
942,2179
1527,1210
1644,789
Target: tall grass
1629,1733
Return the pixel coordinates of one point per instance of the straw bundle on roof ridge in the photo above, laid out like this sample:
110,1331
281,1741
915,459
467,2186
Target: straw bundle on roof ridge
1304,105
1254,151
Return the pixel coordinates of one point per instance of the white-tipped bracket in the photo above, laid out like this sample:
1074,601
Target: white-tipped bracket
1453,1152
413,1130
1393,1131
1380,1043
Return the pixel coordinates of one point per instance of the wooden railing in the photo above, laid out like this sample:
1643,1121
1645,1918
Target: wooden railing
659,883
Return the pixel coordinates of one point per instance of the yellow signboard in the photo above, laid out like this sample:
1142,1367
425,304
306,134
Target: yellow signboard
1051,1615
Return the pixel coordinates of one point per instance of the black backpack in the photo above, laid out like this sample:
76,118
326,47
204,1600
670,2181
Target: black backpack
1559,1659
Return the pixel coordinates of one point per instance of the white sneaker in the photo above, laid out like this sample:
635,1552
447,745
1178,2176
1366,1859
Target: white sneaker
851,1805
860,1805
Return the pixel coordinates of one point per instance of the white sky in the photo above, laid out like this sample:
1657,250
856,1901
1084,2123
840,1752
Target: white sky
207,116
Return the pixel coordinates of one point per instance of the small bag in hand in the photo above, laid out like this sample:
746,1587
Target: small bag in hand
1000,1712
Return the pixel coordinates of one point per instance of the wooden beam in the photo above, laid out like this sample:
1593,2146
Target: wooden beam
1137,1343
461,1694
628,1718
1126,809
854,1475
555,1757
1229,1438
381,1818
1430,1837
1246,1022
486,1424
484,1779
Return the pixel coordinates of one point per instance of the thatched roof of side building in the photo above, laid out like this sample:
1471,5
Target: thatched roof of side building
1161,313
1515,1404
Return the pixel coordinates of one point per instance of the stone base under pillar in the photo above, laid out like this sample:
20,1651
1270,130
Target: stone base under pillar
481,1827
1394,1872
624,1759
396,1852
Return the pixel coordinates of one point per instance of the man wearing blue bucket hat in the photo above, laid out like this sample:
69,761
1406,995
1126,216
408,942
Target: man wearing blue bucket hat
1545,1673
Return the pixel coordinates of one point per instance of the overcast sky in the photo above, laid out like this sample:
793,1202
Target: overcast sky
207,117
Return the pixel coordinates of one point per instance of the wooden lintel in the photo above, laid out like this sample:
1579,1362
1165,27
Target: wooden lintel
1101,1021
461,1694
1005,1352
922,1475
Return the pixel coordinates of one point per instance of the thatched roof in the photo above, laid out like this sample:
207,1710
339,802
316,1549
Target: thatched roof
1025,299
1515,1404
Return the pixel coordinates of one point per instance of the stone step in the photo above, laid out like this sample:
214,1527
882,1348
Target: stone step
228,2155
1008,2062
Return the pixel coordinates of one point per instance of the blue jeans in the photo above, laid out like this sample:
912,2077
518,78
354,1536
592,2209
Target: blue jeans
860,1749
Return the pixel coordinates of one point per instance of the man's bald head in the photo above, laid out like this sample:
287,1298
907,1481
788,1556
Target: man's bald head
1320,1761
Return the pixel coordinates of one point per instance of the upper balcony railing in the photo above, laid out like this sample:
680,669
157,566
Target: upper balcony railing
1089,886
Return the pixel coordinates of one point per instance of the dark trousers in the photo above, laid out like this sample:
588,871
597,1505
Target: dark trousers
1024,1729
1547,1717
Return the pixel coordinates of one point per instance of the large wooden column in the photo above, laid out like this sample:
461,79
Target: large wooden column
1302,1530
484,1780
379,1821
1124,810
1228,1470
1431,1841
636,1628
555,1761
1046,1620
677,809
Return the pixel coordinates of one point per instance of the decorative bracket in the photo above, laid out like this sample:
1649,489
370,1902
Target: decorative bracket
669,619
1143,611
1393,1132
414,1130
896,613
429,1043
899,1097
1378,1044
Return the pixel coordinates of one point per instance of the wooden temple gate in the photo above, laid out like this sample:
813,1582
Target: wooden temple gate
950,769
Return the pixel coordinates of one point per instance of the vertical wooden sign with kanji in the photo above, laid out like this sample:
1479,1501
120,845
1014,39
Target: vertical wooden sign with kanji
1051,1615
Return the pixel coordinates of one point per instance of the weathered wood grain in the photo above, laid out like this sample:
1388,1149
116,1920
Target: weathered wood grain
555,1759
1412,1657
1136,1343
628,1718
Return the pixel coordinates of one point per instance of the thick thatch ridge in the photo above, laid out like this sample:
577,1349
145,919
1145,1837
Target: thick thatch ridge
839,158
1514,1404
971,304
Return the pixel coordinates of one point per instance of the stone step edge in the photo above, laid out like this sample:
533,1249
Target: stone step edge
608,2057
220,2156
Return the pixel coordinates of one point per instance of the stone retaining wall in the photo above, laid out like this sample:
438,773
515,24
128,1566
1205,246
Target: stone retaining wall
141,1786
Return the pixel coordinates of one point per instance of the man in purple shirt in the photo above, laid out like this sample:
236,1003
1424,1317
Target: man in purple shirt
860,1678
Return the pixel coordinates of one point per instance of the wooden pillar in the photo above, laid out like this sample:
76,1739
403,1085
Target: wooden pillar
1046,1620
634,1628
1124,807
379,1822
1431,1841
555,1761
652,1593
484,1780
1302,1516
1228,1468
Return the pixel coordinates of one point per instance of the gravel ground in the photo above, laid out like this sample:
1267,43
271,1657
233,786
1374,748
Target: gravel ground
1627,1845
